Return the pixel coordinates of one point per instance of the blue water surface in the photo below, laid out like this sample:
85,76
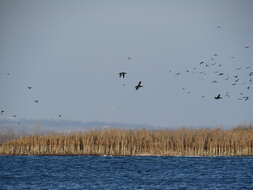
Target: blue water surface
113,172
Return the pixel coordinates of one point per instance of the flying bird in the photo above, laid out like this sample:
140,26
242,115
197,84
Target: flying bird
36,101
29,87
122,74
251,74
247,47
218,97
245,98
129,58
139,85
59,115
2,112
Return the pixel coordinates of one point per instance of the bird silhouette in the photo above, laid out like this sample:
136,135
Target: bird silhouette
218,97
2,112
122,74
59,115
36,101
237,80
29,87
245,98
129,58
247,47
139,85
251,74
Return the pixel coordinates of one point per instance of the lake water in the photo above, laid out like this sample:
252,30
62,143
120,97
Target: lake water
112,172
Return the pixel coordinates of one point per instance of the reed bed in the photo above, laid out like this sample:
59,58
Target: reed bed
179,142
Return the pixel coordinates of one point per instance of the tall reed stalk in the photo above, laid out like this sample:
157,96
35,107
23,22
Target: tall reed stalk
192,142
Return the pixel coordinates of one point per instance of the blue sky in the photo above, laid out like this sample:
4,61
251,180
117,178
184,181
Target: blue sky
70,52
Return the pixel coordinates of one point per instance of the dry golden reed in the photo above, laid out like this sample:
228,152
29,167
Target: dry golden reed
167,142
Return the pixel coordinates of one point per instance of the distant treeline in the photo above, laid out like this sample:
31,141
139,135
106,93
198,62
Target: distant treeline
7,135
188,142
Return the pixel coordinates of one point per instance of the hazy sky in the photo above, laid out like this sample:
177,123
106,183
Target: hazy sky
71,51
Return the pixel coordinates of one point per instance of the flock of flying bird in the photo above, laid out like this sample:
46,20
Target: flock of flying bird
203,65
212,63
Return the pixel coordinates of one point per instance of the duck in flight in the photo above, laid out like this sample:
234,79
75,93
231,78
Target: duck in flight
36,101
218,97
139,85
122,74
29,87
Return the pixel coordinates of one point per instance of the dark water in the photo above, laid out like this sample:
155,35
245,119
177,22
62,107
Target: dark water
94,172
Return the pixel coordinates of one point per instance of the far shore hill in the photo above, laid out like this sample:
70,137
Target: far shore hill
123,141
